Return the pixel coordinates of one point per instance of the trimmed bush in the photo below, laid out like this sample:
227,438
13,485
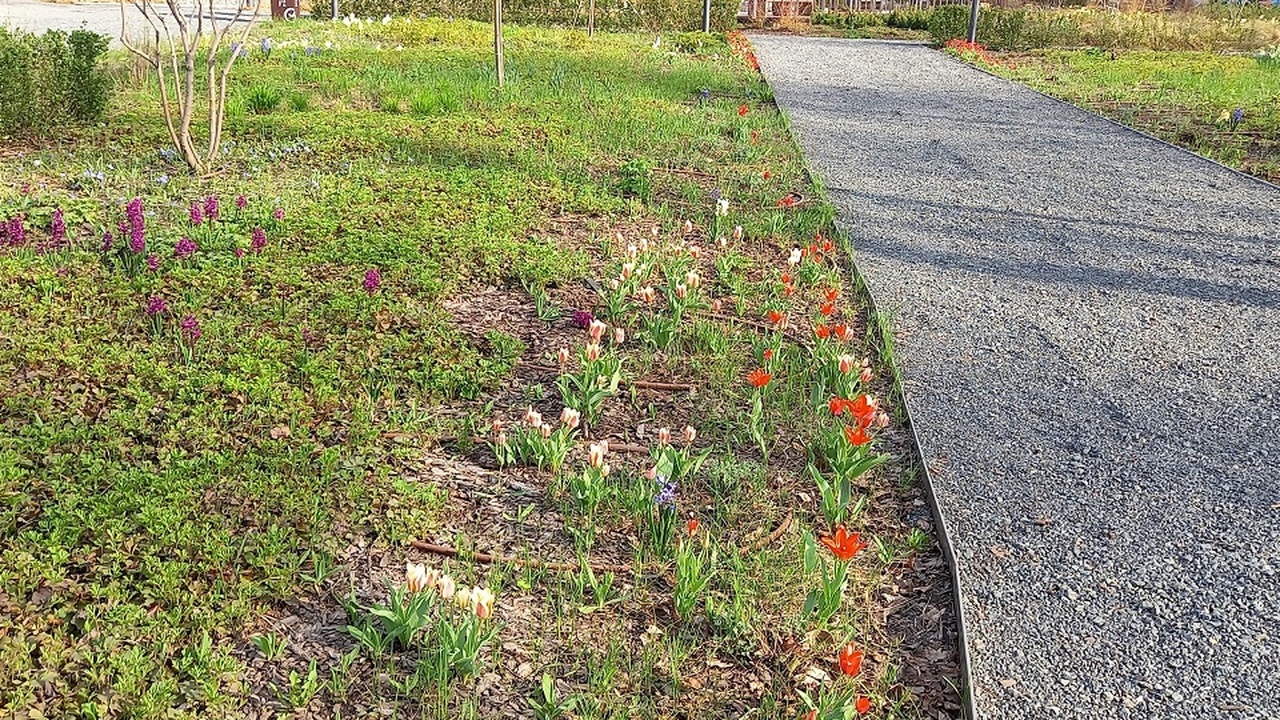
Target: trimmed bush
51,79
654,15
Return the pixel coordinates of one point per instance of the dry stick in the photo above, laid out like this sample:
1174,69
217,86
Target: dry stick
764,327
613,446
488,559
771,538
640,384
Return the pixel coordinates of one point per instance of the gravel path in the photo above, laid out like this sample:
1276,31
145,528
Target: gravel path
1089,326
100,17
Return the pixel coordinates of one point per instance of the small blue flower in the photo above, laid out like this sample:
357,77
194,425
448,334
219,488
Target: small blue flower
666,497
1237,115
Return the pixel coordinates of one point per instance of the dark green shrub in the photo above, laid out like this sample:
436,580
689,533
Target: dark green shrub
910,19
851,20
948,23
51,79
655,15
90,88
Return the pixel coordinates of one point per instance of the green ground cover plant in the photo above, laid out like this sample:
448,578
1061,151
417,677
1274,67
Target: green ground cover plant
1226,107
1219,27
373,420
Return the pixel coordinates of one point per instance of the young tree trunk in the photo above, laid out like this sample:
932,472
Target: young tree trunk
497,42
178,102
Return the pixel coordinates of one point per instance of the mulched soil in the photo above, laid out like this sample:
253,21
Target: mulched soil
912,605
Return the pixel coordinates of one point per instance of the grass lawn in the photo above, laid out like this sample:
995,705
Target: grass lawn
221,442
1186,98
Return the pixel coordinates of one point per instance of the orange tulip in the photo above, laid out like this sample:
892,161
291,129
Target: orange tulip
692,526
844,544
863,409
742,110
822,331
856,436
862,705
759,378
850,660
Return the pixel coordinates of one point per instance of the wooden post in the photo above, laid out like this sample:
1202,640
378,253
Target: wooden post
591,18
497,42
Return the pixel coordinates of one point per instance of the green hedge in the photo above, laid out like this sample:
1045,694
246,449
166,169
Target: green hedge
48,80
651,15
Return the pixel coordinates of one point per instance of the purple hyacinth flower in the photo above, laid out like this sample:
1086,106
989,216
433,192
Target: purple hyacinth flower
241,202
372,280
137,226
278,213
155,305
57,229
17,231
197,215
108,241
581,319
153,263
190,329
1237,116
259,241
211,207
185,248
239,252
666,497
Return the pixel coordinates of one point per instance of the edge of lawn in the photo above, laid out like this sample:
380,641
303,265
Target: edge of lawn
1116,123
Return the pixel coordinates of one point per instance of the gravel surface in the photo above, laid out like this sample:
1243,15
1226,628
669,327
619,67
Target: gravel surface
1089,326
100,17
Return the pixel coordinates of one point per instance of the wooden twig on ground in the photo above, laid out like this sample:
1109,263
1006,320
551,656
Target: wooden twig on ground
639,384
487,559
759,325
771,538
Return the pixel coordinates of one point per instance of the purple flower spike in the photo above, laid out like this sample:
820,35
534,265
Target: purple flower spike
185,248
582,319
137,226
190,329
17,232
241,202
278,213
259,241
155,305
211,207
372,280
108,241
197,216
153,263
57,229
239,252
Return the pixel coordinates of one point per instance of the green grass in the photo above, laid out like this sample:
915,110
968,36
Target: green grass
1183,97
158,496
